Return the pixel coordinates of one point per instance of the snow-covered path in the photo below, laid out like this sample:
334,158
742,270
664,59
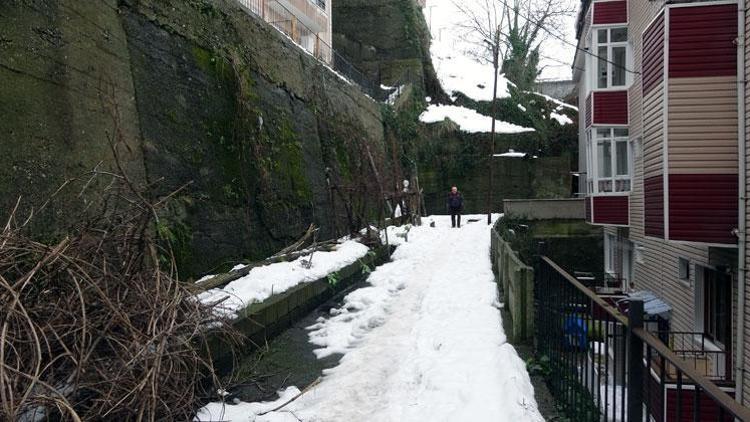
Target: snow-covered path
424,342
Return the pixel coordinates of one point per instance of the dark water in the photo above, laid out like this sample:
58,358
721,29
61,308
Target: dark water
288,359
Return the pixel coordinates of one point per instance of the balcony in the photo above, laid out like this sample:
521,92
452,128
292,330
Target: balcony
304,21
608,210
704,357
312,13
607,108
590,340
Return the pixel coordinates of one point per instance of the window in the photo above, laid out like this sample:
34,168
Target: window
627,265
717,299
610,253
609,159
612,57
589,164
683,269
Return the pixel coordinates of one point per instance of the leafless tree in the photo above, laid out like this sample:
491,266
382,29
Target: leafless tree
490,25
508,33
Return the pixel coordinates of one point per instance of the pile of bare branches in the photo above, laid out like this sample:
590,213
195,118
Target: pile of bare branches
96,325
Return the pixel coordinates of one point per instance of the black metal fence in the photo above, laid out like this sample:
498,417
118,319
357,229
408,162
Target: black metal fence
604,365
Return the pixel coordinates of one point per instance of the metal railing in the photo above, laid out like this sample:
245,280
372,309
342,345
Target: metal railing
286,21
604,365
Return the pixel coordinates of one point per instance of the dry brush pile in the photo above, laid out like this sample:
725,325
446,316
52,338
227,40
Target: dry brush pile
96,325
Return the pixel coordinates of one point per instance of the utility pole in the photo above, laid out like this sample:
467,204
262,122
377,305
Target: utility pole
496,66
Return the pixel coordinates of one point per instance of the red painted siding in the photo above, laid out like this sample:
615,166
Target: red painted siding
701,41
655,396
703,207
588,110
610,12
588,209
653,203
653,54
708,410
611,210
611,107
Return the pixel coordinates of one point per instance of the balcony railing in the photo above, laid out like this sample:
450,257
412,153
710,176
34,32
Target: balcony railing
698,351
282,18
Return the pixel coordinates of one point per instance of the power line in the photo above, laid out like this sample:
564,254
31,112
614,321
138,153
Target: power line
562,63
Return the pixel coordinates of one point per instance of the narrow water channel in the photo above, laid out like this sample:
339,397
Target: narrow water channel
288,359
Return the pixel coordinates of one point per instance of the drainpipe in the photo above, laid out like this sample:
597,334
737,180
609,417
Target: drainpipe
741,270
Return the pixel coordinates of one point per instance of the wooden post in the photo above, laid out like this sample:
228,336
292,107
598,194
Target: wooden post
263,9
496,66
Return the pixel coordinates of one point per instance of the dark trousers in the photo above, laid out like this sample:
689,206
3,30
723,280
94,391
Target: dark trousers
455,218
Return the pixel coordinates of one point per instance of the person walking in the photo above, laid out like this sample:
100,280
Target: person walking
455,204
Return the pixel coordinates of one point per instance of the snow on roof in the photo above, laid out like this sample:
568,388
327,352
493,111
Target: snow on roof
468,120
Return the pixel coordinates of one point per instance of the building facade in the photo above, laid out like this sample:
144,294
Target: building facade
307,22
663,141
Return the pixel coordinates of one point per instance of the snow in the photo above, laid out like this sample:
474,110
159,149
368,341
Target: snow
393,96
468,120
422,342
216,412
457,70
554,100
522,108
512,154
263,282
561,118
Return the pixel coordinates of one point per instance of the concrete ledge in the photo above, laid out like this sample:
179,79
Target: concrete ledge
261,322
516,281
545,209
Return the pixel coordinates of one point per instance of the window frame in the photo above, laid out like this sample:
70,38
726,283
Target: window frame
610,253
592,160
707,320
717,315
595,44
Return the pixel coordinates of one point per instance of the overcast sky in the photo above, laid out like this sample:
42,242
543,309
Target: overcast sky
557,55
558,51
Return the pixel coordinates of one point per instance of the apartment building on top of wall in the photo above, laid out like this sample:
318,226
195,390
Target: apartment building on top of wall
663,137
307,22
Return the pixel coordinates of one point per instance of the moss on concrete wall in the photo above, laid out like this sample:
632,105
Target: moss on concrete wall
63,66
388,40
205,93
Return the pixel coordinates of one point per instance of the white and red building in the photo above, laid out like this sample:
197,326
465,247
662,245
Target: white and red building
663,141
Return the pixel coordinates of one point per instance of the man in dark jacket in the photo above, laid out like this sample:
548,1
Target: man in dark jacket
455,204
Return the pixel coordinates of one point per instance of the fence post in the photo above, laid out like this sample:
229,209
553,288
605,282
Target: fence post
529,299
635,362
